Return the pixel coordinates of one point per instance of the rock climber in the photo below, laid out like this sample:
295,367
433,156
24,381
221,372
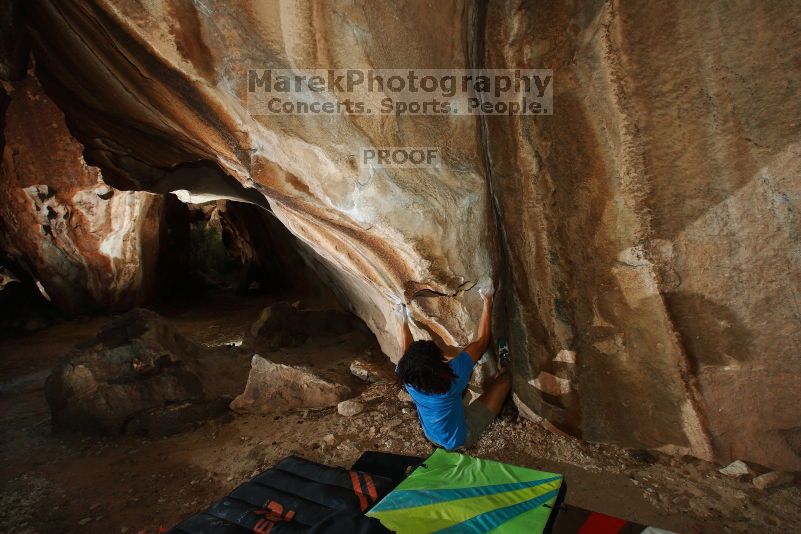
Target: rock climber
437,381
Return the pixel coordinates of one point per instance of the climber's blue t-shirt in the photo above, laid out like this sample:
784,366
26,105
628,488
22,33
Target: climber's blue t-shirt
442,414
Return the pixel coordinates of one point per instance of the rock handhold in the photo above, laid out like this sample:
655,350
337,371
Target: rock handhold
284,325
772,480
350,407
369,372
135,363
274,387
735,469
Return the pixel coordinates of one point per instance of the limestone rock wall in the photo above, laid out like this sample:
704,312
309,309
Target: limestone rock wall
651,224
646,233
89,245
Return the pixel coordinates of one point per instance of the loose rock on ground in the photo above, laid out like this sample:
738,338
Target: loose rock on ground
274,387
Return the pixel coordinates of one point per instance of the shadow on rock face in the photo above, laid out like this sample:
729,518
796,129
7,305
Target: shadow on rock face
793,438
711,334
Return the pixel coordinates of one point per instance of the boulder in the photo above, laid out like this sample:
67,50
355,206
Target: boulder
773,479
284,325
274,387
137,362
735,469
370,372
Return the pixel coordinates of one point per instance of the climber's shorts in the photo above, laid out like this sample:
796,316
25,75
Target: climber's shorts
477,418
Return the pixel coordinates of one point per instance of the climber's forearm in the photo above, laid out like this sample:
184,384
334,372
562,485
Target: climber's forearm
406,334
484,333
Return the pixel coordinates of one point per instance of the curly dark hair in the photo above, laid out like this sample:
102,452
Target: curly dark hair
425,369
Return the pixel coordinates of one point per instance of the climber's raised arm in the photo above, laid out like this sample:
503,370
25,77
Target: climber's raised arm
406,333
437,382
479,346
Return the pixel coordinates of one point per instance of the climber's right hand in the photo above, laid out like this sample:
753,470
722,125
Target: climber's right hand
486,288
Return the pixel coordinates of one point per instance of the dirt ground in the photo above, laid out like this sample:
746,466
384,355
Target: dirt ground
69,483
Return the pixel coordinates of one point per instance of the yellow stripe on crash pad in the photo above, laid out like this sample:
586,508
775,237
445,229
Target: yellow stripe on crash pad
440,515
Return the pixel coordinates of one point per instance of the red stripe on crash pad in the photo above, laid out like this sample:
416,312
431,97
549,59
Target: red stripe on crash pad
601,524
357,489
368,479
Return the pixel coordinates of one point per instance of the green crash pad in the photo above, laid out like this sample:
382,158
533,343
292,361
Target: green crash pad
452,492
